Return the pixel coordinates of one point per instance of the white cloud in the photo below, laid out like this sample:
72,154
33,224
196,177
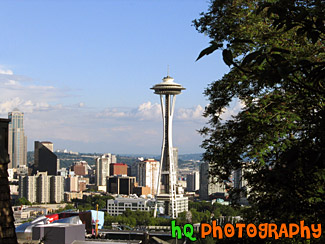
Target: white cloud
12,83
151,111
233,109
190,113
4,71
128,130
148,111
18,92
111,113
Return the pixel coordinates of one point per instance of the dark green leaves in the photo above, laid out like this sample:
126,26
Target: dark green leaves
277,58
250,57
227,57
214,46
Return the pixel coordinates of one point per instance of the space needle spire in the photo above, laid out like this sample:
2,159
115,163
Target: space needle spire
166,189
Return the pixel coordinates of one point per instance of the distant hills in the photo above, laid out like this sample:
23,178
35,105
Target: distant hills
66,159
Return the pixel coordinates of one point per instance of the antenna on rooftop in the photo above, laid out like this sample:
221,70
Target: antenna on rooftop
167,70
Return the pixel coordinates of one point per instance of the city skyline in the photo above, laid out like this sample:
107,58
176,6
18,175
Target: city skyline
80,72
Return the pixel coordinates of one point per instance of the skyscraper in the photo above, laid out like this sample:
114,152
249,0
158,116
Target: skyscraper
44,158
42,188
166,190
148,171
240,183
102,168
193,181
17,141
208,184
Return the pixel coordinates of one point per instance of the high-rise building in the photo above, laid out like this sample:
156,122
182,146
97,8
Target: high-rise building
114,159
80,168
27,188
240,183
133,170
148,171
209,185
118,169
118,184
56,189
71,184
166,191
17,141
193,181
44,158
102,168
42,188
82,184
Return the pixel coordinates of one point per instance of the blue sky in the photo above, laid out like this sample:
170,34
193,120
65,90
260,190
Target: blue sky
81,72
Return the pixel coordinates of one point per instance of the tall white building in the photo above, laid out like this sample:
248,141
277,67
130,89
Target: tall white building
27,188
102,168
56,188
193,181
42,188
148,171
17,141
71,184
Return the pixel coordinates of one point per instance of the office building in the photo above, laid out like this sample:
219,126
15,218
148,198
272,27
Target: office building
148,171
119,184
80,168
17,141
142,190
209,187
102,168
56,189
82,184
27,188
240,183
120,204
20,171
71,184
118,169
44,158
167,179
114,159
193,181
133,170
42,188
69,196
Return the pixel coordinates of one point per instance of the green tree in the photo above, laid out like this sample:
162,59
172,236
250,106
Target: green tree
23,201
275,51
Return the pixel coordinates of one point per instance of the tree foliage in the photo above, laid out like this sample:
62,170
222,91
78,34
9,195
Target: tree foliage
275,51
22,201
90,202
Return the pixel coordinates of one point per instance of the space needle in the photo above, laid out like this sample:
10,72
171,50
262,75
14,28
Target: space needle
167,195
